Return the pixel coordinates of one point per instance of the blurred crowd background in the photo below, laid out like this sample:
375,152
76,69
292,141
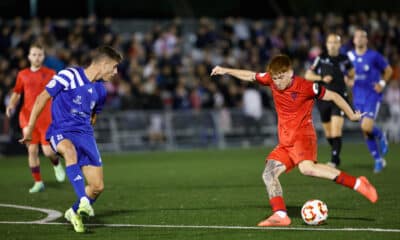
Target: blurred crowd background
167,65
167,62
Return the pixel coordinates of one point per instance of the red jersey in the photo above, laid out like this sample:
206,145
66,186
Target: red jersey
294,107
31,84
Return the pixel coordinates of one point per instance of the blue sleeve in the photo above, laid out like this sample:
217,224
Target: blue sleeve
380,62
56,85
102,93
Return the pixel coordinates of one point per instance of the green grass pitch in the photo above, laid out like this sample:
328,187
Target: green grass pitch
203,188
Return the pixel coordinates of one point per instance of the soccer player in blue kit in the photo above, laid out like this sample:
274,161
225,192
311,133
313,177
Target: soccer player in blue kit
77,98
372,74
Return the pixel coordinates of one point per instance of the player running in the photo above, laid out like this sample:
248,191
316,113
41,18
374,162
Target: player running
330,70
294,98
31,82
367,93
77,99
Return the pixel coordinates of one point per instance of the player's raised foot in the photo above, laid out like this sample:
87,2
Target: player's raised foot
85,208
275,221
366,189
75,220
383,144
37,187
59,172
379,165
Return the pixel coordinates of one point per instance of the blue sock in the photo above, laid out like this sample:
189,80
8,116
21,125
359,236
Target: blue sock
76,204
377,132
75,176
373,147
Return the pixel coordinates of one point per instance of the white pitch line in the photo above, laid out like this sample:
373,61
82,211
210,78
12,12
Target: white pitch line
219,227
53,215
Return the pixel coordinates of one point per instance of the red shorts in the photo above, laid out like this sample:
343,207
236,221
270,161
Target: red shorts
39,136
305,148
39,132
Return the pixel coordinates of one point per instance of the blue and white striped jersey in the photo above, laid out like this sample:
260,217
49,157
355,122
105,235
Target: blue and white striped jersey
75,98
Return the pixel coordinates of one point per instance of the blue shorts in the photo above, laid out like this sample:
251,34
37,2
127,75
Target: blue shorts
85,145
371,108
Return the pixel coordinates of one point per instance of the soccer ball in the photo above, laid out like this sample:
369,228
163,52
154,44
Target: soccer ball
314,212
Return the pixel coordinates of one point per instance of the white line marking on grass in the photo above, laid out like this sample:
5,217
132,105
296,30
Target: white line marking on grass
51,214
219,227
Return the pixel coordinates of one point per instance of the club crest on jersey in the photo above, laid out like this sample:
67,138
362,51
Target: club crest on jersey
90,90
294,95
366,67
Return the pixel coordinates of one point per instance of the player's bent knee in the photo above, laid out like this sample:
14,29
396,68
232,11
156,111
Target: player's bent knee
306,168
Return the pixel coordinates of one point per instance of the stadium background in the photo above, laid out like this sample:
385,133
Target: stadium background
194,194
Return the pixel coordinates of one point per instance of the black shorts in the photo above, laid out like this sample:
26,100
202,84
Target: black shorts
328,109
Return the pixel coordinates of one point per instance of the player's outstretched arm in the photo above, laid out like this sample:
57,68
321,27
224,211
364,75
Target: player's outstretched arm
13,102
342,104
38,106
244,75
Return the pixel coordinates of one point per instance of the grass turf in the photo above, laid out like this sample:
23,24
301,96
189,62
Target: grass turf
204,187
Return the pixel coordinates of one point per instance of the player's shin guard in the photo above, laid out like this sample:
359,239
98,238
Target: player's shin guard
75,176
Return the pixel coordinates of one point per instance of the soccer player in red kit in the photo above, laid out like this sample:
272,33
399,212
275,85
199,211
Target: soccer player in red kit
31,82
294,99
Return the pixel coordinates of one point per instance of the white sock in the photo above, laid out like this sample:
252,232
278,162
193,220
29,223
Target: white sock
358,182
281,213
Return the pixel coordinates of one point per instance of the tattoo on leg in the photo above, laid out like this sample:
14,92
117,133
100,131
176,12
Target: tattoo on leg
270,176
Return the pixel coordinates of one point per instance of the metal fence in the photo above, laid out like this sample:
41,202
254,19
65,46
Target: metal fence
171,130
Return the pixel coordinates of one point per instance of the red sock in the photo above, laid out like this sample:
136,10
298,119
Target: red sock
36,173
346,180
277,204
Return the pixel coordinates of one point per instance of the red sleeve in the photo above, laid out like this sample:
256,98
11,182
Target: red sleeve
263,78
19,85
314,89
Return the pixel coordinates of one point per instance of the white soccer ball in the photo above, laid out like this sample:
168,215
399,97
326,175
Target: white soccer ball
314,212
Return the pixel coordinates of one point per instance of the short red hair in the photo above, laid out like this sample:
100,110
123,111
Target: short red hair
279,64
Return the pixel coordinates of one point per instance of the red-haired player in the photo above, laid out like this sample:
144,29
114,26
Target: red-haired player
294,99
31,82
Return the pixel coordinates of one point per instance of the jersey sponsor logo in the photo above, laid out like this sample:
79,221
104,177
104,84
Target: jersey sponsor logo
52,83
